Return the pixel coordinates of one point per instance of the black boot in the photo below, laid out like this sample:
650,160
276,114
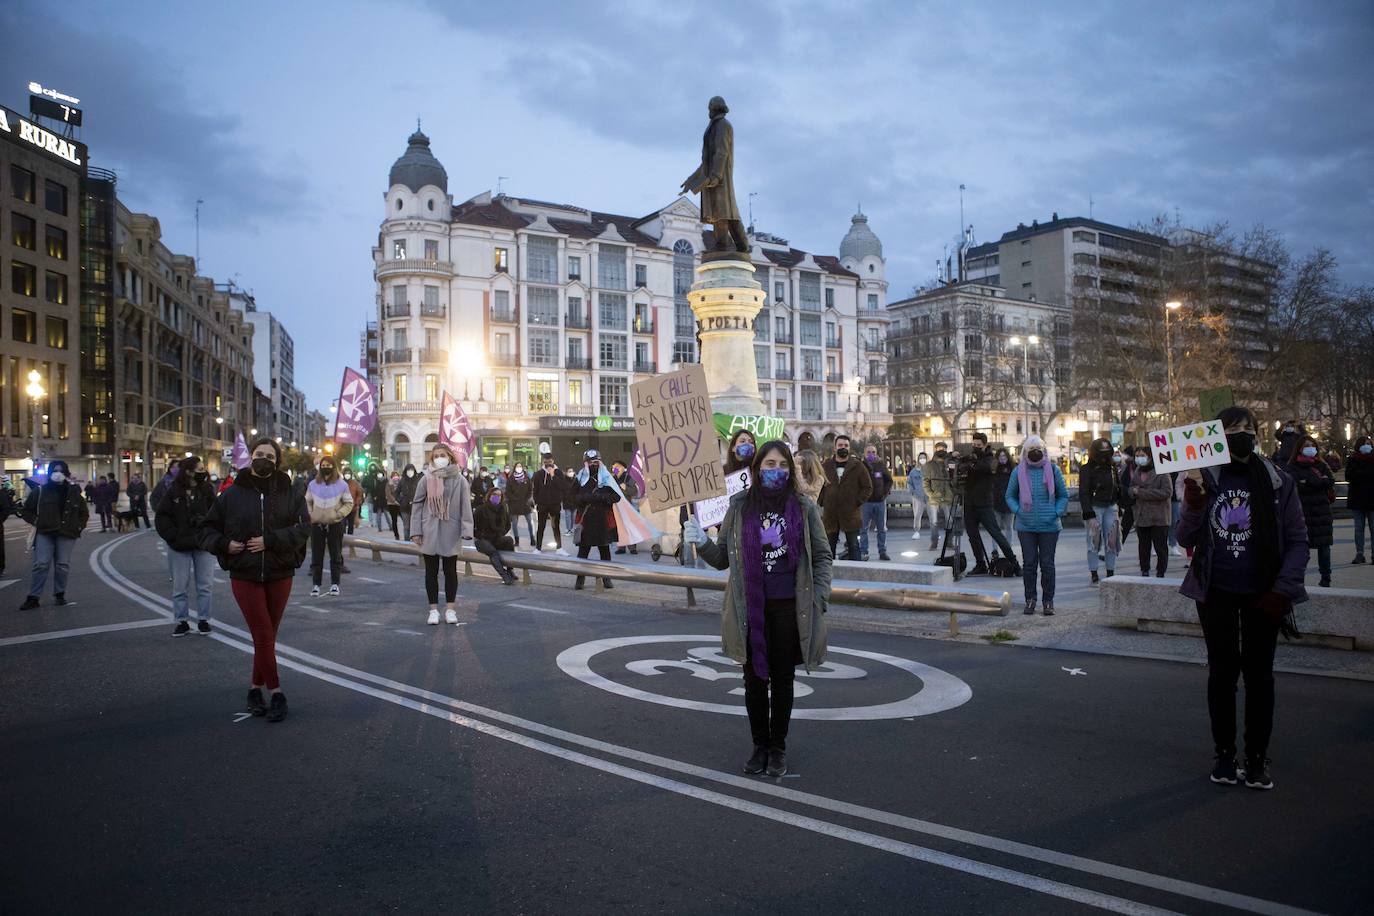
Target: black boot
255,702
777,762
756,764
276,710
578,585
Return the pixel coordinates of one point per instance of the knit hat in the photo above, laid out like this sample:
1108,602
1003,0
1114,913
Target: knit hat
1032,442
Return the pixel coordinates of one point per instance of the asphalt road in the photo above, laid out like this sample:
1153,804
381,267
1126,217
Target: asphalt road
467,769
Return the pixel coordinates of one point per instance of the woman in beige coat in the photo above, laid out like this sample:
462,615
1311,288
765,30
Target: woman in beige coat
774,544
440,521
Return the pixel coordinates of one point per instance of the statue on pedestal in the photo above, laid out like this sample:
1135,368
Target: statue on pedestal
714,180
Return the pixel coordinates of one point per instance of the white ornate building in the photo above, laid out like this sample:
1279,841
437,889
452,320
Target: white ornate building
539,316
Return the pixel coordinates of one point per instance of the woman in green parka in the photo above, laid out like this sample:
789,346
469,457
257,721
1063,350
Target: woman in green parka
774,544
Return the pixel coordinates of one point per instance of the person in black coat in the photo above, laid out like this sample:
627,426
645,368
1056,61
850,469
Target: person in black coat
8,506
979,506
1099,492
1359,474
259,529
595,496
548,486
1316,487
179,516
491,532
405,492
57,510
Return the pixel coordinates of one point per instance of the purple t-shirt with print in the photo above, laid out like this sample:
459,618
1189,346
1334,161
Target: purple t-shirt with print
1234,556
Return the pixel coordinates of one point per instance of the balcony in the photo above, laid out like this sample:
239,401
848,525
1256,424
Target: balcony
433,355
408,409
810,413
613,323
647,366
617,364
169,358
505,314
785,375
578,363
397,355
783,337
579,410
832,343
874,346
414,266
433,311
875,378
503,359
835,378
811,375
398,311
542,319
576,322
644,324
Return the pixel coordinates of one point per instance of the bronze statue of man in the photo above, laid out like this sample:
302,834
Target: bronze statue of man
715,181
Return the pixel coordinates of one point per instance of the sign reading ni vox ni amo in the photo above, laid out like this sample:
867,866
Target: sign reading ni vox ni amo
1198,445
676,433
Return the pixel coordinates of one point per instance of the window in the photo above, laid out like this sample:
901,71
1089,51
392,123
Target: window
430,204
830,297
543,348
502,346
761,368
543,305
23,326
57,333
431,297
641,275
23,278
810,330
831,336
574,267
543,396
1081,236
431,245
642,361
613,399
576,395
398,296
684,351
811,402
830,402
398,339
502,390
612,311
784,398
501,260
810,290
610,267
21,184
541,259
431,339
761,275
398,249
575,309
613,351
872,302
57,242
501,305
873,401
811,365
25,231
431,387
779,288
400,387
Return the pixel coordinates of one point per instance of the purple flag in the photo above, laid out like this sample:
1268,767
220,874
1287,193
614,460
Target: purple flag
357,410
241,457
455,430
637,470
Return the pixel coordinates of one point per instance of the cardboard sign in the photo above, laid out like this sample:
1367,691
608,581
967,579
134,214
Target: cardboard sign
676,432
1200,445
1214,400
711,512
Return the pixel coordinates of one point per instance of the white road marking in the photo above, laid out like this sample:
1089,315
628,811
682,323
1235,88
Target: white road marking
81,631
240,716
531,607
410,632
1073,671
311,607
6,583
156,603
373,581
371,623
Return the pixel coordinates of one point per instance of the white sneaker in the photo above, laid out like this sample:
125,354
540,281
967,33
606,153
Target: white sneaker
1175,551
450,616
916,535
315,592
562,553
333,591
433,616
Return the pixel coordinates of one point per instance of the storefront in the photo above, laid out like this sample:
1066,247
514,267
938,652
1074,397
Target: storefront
569,437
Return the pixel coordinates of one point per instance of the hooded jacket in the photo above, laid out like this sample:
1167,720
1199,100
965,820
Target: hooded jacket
180,514
548,488
56,508
256,506
1314,483
882,479
405,490
490,523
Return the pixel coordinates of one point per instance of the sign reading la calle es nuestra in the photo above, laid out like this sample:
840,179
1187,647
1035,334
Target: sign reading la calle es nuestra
46,140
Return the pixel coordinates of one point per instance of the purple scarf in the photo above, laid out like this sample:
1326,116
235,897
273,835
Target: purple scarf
751,546
1024,484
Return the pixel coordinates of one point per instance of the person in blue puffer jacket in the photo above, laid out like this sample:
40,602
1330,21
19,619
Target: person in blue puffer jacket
1038,497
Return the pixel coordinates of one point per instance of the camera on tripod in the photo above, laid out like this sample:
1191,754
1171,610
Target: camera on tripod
958,465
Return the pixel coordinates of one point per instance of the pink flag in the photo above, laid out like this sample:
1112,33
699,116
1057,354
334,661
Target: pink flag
455,430
241,457
357,409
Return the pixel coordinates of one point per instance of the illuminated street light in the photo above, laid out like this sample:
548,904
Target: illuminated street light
36,393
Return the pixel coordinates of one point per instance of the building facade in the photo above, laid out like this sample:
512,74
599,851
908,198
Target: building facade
41,184
538,317
184,355
274,371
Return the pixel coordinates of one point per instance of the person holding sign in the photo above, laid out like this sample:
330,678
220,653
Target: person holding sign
594,524
1317,489
776,548
1243,520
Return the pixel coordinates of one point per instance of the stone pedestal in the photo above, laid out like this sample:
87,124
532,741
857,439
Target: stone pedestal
725,300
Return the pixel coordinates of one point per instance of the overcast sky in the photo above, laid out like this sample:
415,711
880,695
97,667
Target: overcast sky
285,118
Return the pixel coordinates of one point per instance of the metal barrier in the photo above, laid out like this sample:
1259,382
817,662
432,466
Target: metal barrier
918,598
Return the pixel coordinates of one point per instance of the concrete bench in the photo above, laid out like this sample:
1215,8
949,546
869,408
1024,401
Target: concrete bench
1337,617
879,571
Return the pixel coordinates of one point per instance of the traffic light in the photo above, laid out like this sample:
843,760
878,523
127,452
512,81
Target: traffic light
360,461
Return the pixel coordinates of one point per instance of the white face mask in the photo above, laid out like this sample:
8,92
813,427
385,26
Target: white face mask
57,477
440,461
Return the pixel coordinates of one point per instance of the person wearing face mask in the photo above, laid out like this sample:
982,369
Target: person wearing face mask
1125,502
405,495
874,510
548,487
777,549
739,451
979,499
491,533
259,528
441,520
1288,437
1244,522
1002,472
847,487
1317,490
376,495
596,496
482,484
58,513
393,503
569,502
916,491
179,516
1152,498
939,492
520,503
1359,474
1099,489
355,493
329,502
629,490
1038,499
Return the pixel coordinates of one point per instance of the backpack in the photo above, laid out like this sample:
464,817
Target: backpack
1003,567
952,559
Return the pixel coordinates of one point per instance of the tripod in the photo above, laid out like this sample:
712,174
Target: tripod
956,561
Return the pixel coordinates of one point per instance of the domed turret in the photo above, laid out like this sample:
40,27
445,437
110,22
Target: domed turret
860,242
418,167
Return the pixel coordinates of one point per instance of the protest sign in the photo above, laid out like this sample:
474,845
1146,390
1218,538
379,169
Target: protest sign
676,433
1198,445
711,512
1213,401
762,428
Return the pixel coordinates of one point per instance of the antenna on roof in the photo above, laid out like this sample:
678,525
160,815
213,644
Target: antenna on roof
752,195
1090,205
499,180
961,209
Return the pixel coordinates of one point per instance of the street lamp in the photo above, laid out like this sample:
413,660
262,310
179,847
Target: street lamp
253,431
1025,346
228,407
1170,307
36,393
